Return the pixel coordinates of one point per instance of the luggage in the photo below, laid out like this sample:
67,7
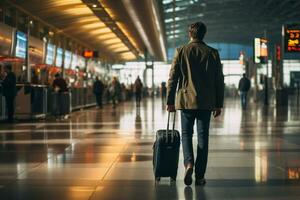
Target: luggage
166,152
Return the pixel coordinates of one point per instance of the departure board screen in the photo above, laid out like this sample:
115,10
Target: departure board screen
21,45
50,54
74,61
68,56
59,56
292,38
81,62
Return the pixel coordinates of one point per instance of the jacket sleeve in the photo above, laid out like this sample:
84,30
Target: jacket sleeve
219,81
173,78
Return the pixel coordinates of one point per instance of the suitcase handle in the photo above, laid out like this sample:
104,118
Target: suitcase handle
173,127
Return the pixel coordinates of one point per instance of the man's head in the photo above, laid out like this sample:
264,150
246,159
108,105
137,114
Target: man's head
7,68
244,75
197,30
97,78
57,75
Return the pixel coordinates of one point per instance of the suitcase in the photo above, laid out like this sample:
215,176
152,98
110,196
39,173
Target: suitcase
166,152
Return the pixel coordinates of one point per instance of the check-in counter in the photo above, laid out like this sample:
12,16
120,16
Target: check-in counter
31,101
82,97
3,114
90,97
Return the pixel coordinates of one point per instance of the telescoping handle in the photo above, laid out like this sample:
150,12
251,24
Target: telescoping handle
173,127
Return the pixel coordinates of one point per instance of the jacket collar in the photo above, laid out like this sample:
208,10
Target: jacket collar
196,41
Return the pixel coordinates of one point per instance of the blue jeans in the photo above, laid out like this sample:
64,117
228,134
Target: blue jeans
202,118
243,99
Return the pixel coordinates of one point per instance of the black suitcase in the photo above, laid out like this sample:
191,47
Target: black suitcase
166,152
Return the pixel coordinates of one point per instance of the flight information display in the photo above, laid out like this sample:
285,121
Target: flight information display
68,56
50,54
81,62
59,56
21,45
292,38
74,61
260,50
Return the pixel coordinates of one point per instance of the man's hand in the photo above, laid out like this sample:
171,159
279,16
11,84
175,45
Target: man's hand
217,112
171,108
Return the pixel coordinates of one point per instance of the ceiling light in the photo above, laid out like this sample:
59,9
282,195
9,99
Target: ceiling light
95,6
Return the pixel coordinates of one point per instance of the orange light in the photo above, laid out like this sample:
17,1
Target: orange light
88,54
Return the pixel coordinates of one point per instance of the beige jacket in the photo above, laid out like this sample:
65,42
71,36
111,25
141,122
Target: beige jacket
197,72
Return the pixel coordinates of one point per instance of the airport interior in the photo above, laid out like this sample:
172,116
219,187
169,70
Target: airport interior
91,87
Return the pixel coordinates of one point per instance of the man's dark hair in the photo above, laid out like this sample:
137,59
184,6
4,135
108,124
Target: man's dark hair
197,30
8,66
57,75
244,75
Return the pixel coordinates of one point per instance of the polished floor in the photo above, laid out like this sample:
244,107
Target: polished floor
107,154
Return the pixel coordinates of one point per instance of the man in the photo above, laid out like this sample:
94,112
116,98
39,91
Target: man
244,87
197,71
138,88
98,91
115,91
9,91
59,84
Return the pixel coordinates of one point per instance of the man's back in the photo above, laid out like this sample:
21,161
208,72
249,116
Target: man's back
200,76
9,85
61,84
244,84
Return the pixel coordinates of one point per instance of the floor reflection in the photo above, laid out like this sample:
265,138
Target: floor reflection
107,154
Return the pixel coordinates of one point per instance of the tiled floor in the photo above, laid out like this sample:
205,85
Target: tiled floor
107,154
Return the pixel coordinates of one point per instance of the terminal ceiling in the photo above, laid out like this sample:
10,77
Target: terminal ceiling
114,28
229,21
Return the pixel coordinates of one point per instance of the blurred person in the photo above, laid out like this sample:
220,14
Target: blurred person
115,91
59,84
9,91
163,90
244,87
138,89
98,88
34,78
122,96
197,71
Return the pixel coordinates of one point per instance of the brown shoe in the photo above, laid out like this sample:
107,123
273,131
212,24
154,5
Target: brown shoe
200,181
188,175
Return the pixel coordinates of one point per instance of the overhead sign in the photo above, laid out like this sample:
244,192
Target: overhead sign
260,50
292,38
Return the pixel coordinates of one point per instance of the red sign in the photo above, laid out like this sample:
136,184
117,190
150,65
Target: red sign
278,53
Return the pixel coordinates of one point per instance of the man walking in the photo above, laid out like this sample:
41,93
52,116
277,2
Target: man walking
138,87
98,91
9,91
244,87
197,71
